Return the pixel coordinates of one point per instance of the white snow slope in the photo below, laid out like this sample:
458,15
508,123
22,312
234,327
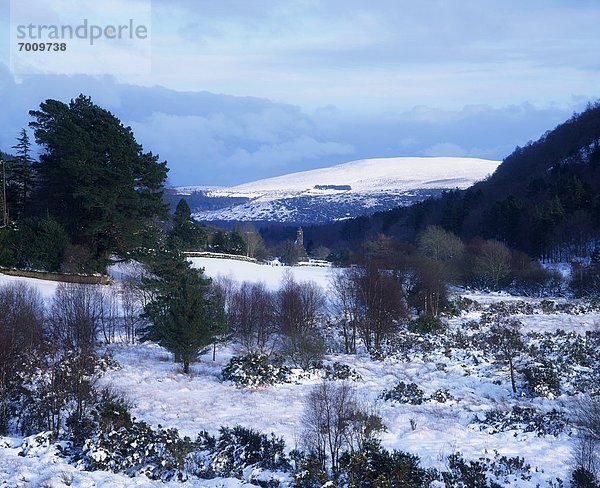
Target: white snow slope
369,176
361,184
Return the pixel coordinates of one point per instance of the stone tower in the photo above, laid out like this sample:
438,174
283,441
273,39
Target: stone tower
299,237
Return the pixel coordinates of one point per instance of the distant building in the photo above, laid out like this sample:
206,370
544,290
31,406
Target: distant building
299,237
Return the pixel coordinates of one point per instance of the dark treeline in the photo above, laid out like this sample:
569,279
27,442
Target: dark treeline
544,200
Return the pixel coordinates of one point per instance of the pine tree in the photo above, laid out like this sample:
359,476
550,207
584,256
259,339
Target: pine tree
21,174
95,179
187,234
185,314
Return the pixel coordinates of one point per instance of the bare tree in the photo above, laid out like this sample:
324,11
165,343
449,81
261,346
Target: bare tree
299,310
507,343
252,317
343,300
21,332
108,313
75,315
131,307
440,245
327,421
382,304
427,291
585,415
255,246
493,262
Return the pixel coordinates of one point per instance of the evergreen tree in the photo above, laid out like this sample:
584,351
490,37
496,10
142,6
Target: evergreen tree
95,179
185,313
20,174
186,234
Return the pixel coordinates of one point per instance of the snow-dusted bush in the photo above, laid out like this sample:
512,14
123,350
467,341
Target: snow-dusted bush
426,324
574,358
523,419
404,393
506,309
374,466
254,370
441,396
542,380
139,449
485,472
240,453
341,371
464,304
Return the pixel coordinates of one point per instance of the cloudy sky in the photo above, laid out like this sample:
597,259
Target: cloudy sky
237,90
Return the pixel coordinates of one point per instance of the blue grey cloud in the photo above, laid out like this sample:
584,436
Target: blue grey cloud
215,139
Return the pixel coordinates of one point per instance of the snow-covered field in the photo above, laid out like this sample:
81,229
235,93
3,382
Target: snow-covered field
162,394
270,275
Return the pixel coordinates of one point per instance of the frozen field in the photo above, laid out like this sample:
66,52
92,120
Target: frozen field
162,394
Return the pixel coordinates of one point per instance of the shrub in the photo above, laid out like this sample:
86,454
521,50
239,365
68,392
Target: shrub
374,466
40,244
404,393
525,419
485,472
138,449
426,324
234,451
254,370
341,371
542,380
441,396
583,478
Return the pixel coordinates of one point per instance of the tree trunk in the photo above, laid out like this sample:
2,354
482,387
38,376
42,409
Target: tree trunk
512,375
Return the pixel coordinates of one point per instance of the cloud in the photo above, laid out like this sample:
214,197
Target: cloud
217,139
444,149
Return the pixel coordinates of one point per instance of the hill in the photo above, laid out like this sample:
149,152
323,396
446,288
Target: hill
544,199
338,192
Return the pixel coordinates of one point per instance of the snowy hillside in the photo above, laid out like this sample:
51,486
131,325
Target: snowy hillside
341,191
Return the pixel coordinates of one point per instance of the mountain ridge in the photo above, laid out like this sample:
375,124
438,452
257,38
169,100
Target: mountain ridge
341,191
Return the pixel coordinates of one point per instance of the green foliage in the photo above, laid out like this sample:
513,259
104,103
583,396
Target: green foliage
583,478
38,243
234,451
186,235
19,176
426,324
185,313
228,242
374,466
94,178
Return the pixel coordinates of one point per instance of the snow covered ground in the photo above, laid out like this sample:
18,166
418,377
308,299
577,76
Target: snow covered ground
270,275
162,394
